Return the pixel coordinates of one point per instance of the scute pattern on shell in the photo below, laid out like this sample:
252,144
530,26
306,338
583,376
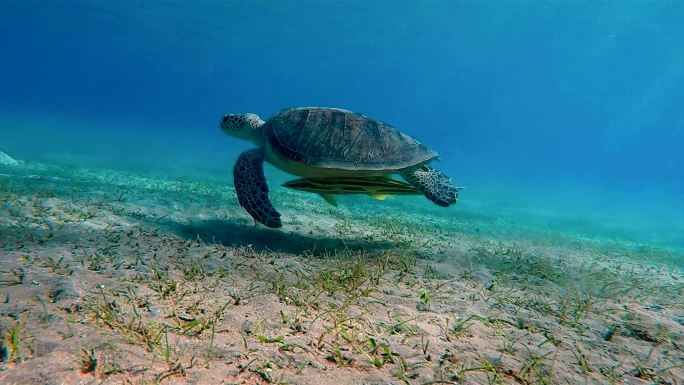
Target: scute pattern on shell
333,138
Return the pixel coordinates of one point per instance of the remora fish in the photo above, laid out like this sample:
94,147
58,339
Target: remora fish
377,187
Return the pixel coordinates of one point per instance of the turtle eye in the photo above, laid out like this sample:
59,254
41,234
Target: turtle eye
230,122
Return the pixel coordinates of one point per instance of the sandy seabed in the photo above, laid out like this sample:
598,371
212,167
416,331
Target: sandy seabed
110,277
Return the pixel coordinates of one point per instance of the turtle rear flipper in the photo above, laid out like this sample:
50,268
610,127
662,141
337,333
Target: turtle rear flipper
252,190
436,186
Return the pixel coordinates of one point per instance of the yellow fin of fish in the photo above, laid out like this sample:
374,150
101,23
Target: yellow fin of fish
380,197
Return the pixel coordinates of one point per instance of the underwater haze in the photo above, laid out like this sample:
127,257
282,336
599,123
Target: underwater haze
572,107
126,255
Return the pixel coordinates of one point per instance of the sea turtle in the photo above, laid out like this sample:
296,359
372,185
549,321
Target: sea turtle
331,145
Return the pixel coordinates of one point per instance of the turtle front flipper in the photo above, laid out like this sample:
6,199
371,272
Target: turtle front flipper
252,190
436,186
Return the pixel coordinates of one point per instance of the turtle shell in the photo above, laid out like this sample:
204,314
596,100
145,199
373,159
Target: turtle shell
340,139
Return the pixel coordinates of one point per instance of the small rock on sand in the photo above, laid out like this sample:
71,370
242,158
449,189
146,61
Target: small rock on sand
63,289
7,160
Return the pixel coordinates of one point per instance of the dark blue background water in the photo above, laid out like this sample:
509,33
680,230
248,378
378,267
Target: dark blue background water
573,105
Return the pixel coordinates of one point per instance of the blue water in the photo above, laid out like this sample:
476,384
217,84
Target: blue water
569,109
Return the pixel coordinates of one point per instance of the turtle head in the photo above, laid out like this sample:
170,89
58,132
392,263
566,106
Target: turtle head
243,126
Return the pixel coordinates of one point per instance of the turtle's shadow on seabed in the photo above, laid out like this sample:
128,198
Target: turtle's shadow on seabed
260,238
